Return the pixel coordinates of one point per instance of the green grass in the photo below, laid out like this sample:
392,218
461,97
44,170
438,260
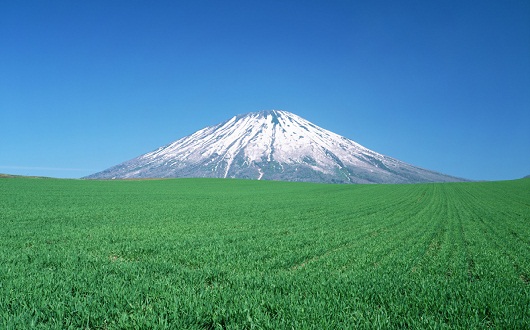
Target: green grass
215,254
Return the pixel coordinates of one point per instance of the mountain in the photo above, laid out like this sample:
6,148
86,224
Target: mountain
270,145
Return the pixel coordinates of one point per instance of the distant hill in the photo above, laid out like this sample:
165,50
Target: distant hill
271,145
4,175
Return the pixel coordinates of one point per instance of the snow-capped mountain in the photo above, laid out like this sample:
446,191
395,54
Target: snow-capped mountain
270,145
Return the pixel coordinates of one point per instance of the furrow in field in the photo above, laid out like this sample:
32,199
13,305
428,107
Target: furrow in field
494,227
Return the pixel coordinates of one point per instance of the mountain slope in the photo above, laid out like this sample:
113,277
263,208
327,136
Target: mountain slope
270,145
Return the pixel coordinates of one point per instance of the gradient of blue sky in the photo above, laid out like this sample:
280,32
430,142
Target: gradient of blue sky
444,85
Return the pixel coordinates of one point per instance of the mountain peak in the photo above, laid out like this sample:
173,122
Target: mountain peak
273,114
274,145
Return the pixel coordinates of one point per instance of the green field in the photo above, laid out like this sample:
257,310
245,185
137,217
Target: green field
235,254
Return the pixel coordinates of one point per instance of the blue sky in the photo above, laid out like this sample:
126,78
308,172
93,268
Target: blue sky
443,85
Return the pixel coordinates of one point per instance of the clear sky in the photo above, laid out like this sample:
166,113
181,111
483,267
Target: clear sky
444,85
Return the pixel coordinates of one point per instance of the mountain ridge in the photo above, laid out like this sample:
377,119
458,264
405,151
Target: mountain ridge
271,145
